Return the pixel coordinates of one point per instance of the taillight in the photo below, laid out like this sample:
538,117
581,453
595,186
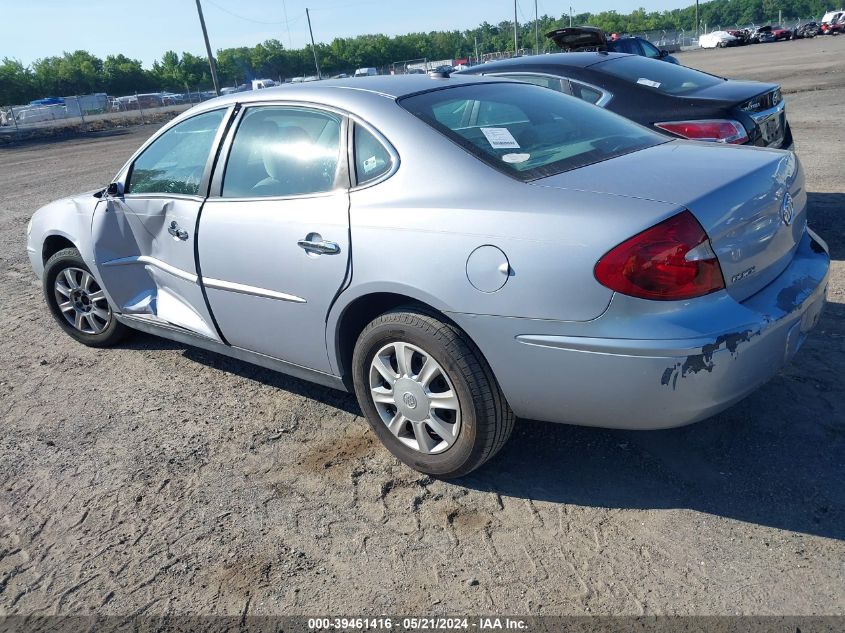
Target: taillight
717,130
671,260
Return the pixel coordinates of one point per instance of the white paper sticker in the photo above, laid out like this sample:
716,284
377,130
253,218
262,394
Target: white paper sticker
648,82
516,158
500,138
370,164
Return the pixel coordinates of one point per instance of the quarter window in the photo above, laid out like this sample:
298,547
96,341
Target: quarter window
283,151
175,161
585,92
371,157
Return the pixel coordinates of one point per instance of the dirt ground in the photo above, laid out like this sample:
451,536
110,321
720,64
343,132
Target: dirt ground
159,479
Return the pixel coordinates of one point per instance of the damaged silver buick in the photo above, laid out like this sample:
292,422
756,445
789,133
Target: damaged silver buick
574,266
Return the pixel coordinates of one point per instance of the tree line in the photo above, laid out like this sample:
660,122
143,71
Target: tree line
81,72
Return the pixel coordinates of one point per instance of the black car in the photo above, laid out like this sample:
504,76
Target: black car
761,35
591,38
671,99
808,29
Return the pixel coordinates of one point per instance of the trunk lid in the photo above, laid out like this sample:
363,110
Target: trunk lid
737,92
738,194
579,38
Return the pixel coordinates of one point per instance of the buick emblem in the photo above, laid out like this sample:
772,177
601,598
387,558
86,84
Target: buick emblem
787,209
410,401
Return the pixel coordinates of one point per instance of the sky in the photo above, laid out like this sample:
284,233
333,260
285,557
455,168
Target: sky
31,29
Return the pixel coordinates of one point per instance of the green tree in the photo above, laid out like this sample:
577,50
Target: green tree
16,83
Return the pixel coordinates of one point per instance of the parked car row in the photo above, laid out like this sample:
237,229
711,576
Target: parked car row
742,37
586,267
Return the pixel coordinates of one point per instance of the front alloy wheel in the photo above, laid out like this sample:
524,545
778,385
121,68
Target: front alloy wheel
81,300
77,301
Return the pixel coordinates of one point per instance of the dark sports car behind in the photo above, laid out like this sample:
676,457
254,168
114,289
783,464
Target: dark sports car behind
674,100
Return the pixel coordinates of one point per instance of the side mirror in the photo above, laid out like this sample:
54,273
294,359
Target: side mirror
114,190
664,53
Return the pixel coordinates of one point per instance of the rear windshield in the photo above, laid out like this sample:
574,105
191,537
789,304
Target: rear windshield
670,79
526,131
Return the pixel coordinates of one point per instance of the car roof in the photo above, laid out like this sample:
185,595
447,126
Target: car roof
390,86
552,60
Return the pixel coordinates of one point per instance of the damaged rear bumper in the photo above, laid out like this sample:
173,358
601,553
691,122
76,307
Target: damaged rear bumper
651,365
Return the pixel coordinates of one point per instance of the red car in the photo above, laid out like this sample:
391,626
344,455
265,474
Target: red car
831,28
781,33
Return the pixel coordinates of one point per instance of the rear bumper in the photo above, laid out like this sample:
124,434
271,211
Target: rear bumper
651,365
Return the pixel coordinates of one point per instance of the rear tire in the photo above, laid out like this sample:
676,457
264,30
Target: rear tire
78,303
440,410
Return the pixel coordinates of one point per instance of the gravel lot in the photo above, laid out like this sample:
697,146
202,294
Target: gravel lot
160,479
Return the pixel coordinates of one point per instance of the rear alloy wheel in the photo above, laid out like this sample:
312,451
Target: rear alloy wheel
428,394
415,398
77,301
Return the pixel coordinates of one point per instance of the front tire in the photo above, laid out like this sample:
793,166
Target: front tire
77,302
428,393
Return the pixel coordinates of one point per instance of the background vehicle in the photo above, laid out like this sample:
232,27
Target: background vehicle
366,72
260,84
741,36
233,228
717,39
829,21
780,33
834,26
590,38
806,30
671,99
761,35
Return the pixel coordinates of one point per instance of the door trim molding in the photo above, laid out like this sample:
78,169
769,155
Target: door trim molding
147,260
220,284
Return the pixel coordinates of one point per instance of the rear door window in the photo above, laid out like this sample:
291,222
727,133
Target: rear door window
626,45
526,131
554,83
283,151
650,50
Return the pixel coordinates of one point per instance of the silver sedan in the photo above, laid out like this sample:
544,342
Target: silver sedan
457,251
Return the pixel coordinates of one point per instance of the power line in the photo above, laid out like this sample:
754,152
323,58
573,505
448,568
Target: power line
285,22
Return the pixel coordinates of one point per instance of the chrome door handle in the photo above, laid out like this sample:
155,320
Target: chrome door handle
321,247
176,232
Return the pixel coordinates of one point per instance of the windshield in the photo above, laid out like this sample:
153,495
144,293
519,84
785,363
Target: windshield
669,79
526,131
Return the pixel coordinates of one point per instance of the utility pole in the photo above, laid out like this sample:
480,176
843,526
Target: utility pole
477,58
780,17
570,16
313,46
515,37
697,32
211,63
536,30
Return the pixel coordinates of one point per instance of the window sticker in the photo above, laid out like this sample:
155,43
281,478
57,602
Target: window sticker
648,82
370,164
500,138
516,158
